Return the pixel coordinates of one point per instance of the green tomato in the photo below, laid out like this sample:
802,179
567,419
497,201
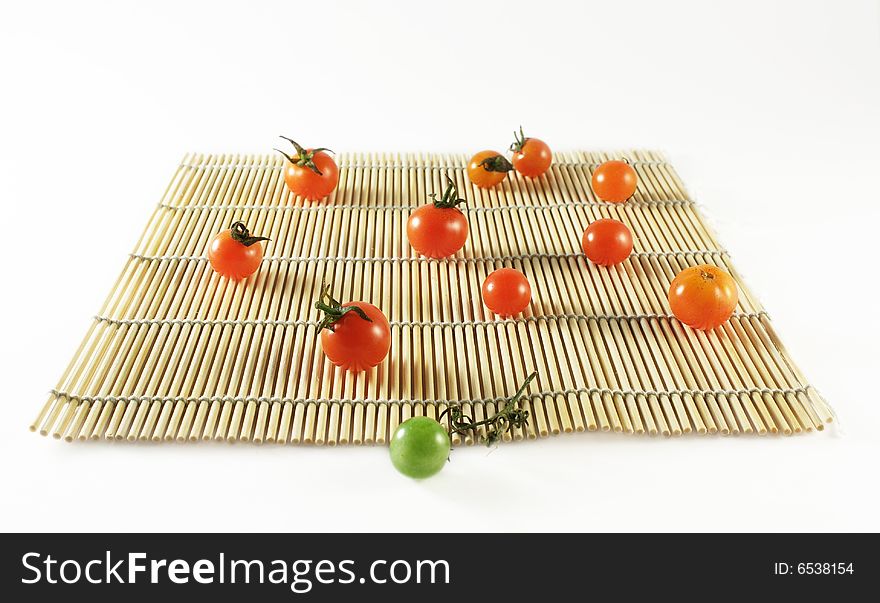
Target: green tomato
420,447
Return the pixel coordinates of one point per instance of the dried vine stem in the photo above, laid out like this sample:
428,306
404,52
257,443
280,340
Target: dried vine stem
511,415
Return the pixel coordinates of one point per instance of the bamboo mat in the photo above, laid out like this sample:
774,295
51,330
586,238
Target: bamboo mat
178,353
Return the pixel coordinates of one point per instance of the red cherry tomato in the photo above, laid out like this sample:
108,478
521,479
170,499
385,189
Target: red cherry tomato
234,253
531,157
488,168
703,297
355,335
438,229
311,173
507,292
607,242
615,181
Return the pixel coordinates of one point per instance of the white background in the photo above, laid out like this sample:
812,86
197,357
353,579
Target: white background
770,111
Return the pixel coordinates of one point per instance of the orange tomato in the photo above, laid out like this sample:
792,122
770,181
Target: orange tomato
234,253
703,297
355,336
607,242
311,173
438,229
615,181
507,292
488,168
531,157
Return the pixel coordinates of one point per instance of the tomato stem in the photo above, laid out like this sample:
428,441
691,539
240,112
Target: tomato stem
333,310
519,141
510,416
241,234
450,197
498,163
303,158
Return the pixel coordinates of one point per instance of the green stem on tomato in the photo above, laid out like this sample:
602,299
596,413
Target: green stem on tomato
498,163
519,141
241,234
333,310
450,198
303,158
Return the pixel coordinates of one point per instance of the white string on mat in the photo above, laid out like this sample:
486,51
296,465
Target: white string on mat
334,206
543,394
504,258
268,322
398,166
